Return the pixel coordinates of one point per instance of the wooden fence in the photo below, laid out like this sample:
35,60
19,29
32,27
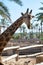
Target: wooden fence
17,48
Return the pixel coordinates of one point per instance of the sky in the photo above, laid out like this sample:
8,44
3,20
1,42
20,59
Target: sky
15,9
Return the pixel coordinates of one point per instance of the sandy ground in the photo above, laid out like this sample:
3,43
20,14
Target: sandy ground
21,61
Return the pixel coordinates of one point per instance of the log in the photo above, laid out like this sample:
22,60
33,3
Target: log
31,55
13,56
9,48
23,48
32,46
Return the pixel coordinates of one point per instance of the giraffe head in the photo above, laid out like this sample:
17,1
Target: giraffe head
27,17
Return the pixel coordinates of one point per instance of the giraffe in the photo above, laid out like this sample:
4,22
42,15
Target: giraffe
7,34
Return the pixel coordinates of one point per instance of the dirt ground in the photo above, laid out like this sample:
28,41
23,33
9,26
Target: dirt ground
21,61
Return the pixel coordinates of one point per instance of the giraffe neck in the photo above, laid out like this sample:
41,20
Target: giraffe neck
7,34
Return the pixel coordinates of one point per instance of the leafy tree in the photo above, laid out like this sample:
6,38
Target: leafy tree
39,17
20,28
22,31
4,11
31,35
23,28
39,32
31,26
36,26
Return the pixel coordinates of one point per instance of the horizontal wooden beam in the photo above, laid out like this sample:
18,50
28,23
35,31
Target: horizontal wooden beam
9,48
31,55
22,56
32,46
23,48
10,57
39,63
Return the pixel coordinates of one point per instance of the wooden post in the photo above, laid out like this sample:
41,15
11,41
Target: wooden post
39,58
1,61
0,58
17,52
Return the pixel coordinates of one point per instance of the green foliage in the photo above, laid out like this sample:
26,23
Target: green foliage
41,8
16,36
3,22
20,36
17,1
22,29
31,34
2,6
39,16
4,11
41,38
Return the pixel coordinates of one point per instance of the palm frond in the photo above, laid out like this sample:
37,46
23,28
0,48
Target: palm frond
4,15
39,17
41,2
4,11
41,13
17,1
41,8
4,8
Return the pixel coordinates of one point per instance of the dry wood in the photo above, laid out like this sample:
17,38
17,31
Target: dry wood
10,57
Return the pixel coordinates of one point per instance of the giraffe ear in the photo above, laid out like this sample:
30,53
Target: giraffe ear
30,11
22,14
